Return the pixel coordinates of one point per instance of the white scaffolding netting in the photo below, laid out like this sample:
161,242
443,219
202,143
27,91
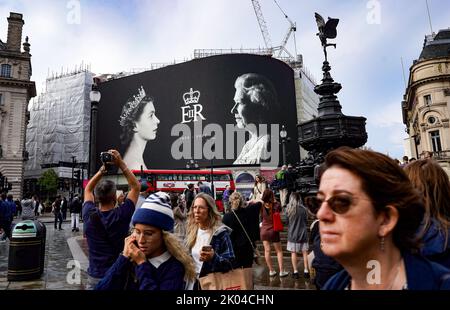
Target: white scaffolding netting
59,122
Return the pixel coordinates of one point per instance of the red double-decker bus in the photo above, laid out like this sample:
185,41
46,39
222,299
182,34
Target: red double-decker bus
177,180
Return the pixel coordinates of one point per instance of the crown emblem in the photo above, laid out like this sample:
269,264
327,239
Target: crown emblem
191,97
131,106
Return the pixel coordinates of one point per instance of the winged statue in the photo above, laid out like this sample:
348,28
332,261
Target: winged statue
327,30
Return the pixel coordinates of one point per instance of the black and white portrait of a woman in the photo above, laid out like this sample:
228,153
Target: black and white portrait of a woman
139,125
255,104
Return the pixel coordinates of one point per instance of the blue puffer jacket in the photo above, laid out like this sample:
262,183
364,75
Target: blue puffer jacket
421,274
223,252
434,247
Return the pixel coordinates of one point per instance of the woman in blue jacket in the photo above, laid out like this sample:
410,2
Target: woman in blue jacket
369,214
153,258
433,183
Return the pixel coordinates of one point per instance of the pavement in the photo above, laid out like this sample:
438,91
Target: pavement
66,262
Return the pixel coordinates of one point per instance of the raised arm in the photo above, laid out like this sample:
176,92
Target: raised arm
133,183
89,190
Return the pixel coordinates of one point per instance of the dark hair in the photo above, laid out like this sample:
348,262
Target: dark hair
268,196
3,196
173,200
130,116
10,196
105,192
433,182
386,184
260,177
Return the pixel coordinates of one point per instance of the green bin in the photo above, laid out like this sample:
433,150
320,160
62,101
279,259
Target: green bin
26,251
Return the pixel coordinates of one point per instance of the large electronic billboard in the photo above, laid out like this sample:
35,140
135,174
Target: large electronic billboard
224,110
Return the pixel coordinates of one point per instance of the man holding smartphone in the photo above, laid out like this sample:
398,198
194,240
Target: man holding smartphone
106,226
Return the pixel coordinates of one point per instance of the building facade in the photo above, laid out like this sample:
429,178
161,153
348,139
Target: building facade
16,90
426,103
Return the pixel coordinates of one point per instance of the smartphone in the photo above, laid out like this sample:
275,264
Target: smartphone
206,248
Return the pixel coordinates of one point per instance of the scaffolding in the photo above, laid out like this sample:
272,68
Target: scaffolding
59,122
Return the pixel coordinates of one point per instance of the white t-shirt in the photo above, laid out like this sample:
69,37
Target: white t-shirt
203,238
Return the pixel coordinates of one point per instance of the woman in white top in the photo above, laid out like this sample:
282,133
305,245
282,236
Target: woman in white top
139,125
259,187
207,238
255,103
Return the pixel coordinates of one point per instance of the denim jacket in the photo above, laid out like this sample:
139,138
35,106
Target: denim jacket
223,252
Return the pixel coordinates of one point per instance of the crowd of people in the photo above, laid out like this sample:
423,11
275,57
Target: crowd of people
371,215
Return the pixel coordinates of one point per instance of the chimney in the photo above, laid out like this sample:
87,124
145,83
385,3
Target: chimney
15,24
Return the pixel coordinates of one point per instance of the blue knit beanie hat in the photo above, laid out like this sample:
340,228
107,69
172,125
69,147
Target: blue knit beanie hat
155,211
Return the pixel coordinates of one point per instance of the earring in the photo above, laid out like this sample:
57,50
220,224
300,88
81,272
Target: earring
382,244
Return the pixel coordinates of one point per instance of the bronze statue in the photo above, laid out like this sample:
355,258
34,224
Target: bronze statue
326,31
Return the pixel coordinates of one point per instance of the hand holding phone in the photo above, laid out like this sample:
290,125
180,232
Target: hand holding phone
206,248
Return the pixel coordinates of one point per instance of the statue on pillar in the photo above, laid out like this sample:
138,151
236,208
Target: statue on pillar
326,31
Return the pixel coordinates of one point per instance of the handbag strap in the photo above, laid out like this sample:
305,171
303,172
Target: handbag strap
242,226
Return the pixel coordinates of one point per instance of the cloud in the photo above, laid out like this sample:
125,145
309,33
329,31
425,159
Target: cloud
118,36
388,115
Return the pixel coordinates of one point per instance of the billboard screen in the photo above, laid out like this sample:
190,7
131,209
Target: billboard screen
224,110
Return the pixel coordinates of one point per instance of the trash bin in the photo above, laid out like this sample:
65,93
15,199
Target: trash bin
26,251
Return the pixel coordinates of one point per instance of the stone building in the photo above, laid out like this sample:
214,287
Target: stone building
16,90
426,103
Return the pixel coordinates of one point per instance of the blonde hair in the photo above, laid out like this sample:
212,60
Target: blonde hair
177,250
293,205
237,201
214,219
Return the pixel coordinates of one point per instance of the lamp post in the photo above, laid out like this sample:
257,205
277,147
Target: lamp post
212,179
72,188
283,136
95,97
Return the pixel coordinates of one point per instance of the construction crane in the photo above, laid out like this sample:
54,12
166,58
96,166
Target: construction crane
262,24
265,32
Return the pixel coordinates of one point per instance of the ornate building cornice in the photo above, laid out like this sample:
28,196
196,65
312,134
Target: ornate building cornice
29,85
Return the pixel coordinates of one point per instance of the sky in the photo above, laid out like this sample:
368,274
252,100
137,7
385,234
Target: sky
114,36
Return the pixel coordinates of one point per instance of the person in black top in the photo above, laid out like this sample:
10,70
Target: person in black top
189,196
249,218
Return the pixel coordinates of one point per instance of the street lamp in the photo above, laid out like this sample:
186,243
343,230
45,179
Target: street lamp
72,188
95,97
283,135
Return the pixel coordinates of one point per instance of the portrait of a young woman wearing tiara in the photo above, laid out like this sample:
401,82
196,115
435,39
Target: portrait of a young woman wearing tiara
139,125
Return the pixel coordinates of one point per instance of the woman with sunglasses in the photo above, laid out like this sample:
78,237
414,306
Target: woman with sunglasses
369,214
152,258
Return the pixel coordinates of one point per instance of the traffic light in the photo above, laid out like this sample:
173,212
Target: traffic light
76,174
9,186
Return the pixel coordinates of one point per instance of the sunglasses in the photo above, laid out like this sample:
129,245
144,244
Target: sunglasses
340,204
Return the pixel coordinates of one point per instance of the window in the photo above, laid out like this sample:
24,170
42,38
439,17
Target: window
431,120
5,71
1,100
436,141
427,99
